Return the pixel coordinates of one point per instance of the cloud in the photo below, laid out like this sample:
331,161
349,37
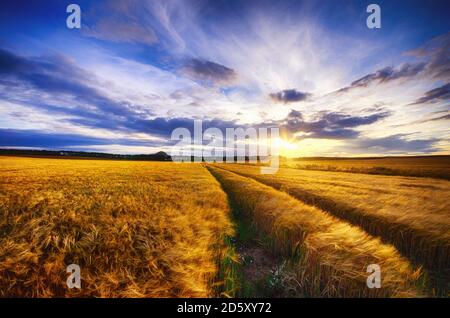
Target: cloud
435,95
269,54
388,74
58,76
444,117
209,71
396,144
42,139
329,125
435,63
436,52
289,96
157,126
219,63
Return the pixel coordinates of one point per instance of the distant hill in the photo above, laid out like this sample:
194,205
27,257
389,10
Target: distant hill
159,156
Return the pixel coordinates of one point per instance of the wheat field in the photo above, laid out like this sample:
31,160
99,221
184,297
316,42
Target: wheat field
319,246
431,167
163,229
413,214
136,229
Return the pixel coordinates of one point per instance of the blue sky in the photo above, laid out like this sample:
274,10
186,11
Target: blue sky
136,70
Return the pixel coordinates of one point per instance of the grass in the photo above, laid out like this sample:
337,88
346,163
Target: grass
330,256
411,213
229,271
250,269
136,229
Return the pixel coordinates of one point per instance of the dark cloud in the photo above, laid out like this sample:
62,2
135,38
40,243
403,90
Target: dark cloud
209,71
435,95
396,144
61,78
41,139
344,120
389,74
158,126
58,75
295,114
329,125
289,96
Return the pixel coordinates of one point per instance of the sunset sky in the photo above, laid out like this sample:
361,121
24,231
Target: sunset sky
136,70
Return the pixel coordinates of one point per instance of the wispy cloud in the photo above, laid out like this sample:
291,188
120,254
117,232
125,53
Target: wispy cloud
436,53
438,94
139,69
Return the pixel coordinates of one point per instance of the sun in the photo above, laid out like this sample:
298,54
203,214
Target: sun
286,148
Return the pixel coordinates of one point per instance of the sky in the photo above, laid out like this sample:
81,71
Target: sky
136,70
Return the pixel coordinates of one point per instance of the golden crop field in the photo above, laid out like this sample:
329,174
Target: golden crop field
136,229
413,214
328,257
163,229
432,166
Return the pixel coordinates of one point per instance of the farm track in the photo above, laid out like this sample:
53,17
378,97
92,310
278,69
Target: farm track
433,253
249,268
325,267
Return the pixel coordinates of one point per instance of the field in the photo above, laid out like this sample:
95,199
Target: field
410,213
322,255
136,229
160,229
431,166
